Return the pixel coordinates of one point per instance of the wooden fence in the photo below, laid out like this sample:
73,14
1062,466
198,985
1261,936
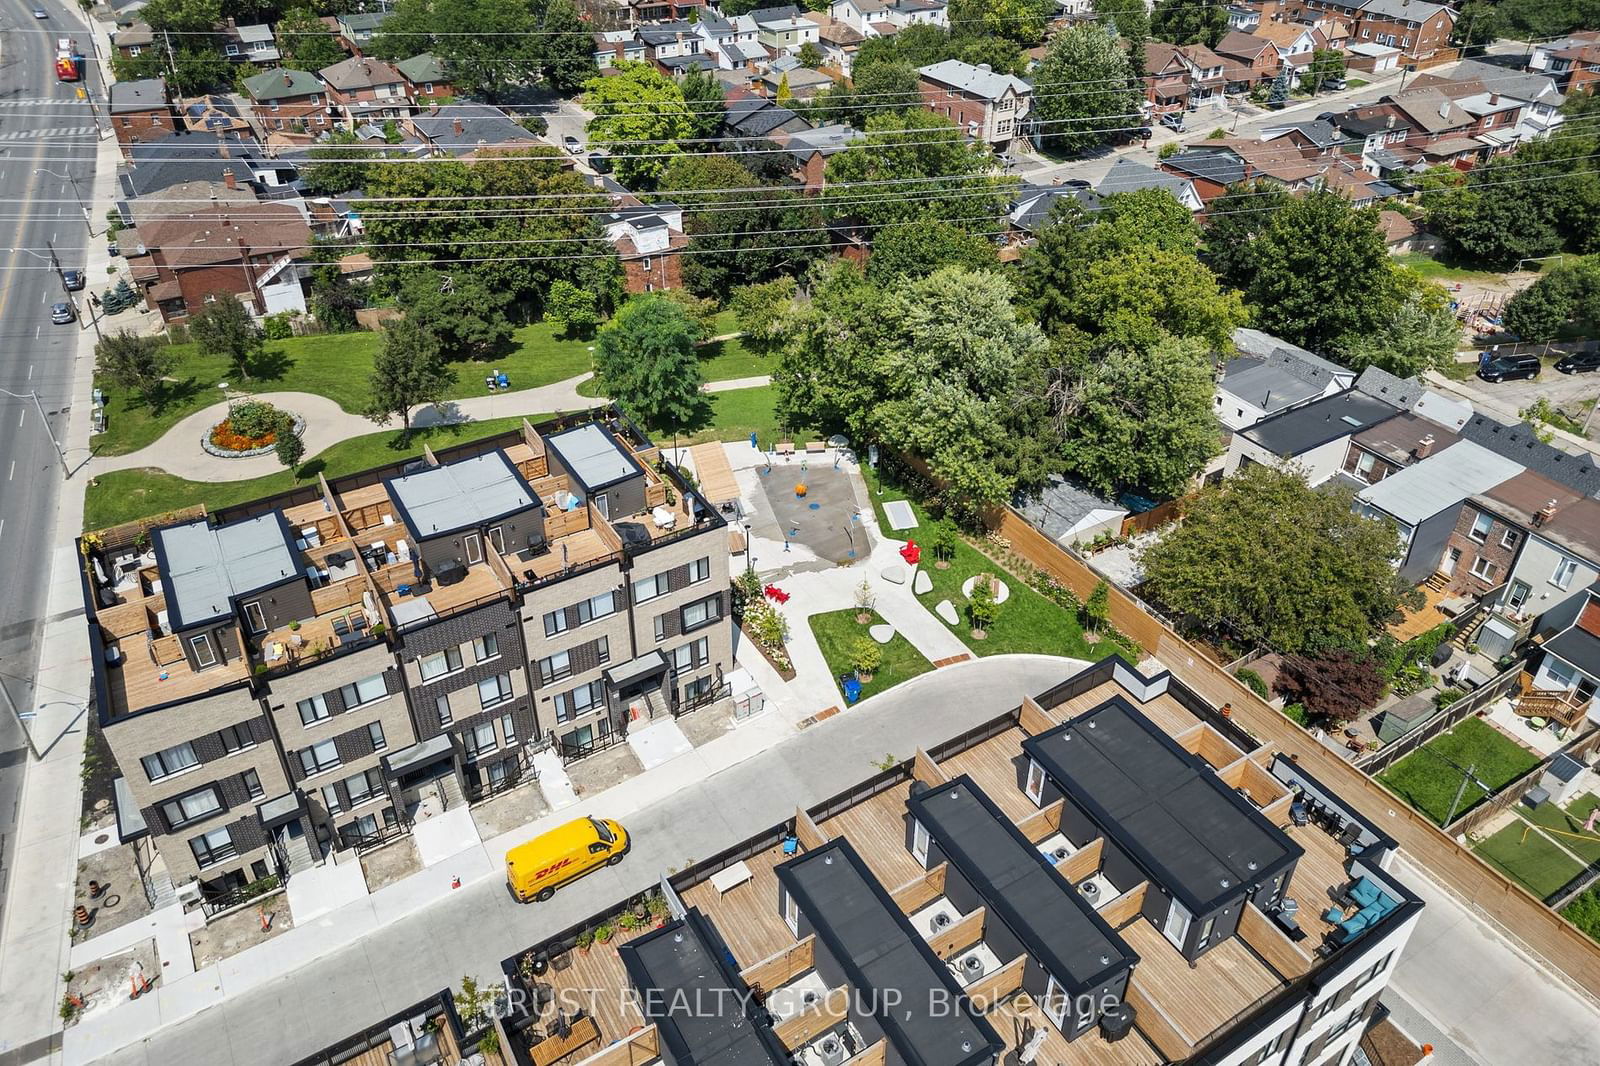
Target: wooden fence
1495,899
1513,792
1442,722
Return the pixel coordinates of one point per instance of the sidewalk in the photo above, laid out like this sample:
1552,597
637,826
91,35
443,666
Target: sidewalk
34,946
178,450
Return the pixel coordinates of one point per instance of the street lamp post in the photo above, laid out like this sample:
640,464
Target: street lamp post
73,181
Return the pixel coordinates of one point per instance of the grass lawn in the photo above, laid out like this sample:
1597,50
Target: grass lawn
1027,622
126,495
1540,866
1570,821
1428,782
1584,912
335,365
734,415
837,633
1439,270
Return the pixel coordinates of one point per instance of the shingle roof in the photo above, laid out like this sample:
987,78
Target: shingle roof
1521,443
281,84
979,80
1417,11
1248,45
469,126
1128,175
359,73
1223,167
146,94
422,68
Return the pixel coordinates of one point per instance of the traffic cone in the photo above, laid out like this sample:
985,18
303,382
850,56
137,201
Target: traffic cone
266,923
80,914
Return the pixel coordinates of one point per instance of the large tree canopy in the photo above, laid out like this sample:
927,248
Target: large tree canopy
1270,560
1084,94
736,238
1022,21
1569,292
1540,199
1189,21
1321,272
645,358
1233,221
501,51
639,117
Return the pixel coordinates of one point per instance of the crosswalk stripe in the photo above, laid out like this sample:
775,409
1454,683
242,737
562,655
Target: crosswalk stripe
59,131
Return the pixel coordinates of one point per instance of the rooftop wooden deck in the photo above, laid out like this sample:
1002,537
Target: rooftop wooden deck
1197,1000
747,915
999,768
877,829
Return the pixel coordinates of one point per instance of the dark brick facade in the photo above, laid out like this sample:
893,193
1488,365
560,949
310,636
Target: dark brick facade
1493,549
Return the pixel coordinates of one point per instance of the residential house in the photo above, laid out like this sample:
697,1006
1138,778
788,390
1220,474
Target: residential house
1383,131
1421,30
1249,60
615,46
1369,57
988,107
1429,128
1297,45
1070,513
287,99
1521,442
355,30
1563,684
1574,60
1243,17
1166,80
760,118
365,90
1314,138
218,116
1392,445
141,112
1314,436
1268,375
782,29
1034,206
1130,175
310,673
641,12
733,42
1425,500
649,241
1209,167
250,44
1473,84
461,130
838,41
665,41
811,150
858,14
426,78
801,83
234,245
152,167
903,13
133,40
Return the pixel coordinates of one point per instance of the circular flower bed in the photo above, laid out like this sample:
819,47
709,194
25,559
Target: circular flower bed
251,428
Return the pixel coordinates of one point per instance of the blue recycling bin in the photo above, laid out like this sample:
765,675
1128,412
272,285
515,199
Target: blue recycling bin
852,689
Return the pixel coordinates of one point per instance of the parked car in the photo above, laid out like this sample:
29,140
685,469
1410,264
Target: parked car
62,313
1509,368
570,143
1334,85
1173,120
72,280
1579,362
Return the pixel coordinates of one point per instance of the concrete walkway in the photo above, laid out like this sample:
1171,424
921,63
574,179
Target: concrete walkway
178,451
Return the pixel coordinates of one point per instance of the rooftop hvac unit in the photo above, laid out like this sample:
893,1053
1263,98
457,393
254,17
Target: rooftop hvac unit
942,920
1060,853
831,1050
972,967
1089,890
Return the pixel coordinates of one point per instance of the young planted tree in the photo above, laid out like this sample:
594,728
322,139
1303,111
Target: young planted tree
866,599
290,446
136,363
982,610
223,328
571,308
1096,610
645,359
409,370
943,543
865,658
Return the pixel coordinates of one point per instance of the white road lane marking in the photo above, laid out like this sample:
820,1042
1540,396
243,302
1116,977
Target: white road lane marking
30,371
13,472
22,414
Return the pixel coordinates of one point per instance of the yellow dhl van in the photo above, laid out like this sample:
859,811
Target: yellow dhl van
536,869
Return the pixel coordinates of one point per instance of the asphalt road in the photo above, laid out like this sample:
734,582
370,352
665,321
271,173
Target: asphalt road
42,126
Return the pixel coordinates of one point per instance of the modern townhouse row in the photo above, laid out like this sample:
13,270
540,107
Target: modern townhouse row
316,670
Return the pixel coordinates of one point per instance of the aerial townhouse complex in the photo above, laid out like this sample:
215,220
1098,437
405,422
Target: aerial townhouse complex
1113,873
318,670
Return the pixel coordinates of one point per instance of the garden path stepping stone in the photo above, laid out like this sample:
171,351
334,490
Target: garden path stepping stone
883,632
921,583
896,574
946,610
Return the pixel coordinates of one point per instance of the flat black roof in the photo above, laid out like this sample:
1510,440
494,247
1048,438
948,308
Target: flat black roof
1300,429
885,959
1197,837
1056,925
696,1000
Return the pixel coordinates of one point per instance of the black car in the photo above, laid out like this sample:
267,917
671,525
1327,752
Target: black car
72,279
1509,368
1579,362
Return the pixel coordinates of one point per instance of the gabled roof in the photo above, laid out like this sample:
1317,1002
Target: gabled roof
358,73
1224,167
1418,11
1430,109
256,33
1521,443
1439,482
1579,643
1245,45
1282,34
157,165
977,80
471,126
282,84
1129,175
423,67
1034,203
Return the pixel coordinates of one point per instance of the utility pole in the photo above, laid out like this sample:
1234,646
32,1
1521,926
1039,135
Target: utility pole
55,262
21,722
1466,776
72,180
34,396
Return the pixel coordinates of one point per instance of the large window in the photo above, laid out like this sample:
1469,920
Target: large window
486,647
252,784
554,667
236,738
597,607
313,710
700,570
493,690
375,734
213,847
648,588
439,663
1562,578
318,758
202,803
366,690
441,707
691,655
702,613
555,622
478,739
363,787
169,761
580,700
204,654
1481,524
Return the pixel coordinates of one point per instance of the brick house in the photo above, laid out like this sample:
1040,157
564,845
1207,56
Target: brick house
989,107
1166,89
649,242
1573,60
425,76
1419,29
287,99
1250,60
365,90
141,111
235,246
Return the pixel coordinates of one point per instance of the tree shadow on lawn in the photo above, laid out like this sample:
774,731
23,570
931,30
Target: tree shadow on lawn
271,365
168,393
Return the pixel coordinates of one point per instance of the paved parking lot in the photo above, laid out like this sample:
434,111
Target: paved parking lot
1573,394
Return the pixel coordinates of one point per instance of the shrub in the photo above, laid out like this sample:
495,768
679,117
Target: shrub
865,656
766,625
1336,685
747,590
1097,608
1296,712
1584,912
276,327
254,418
981,608
1252,681
1445,697
178,333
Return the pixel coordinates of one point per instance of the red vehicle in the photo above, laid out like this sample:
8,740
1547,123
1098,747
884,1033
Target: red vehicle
69,62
